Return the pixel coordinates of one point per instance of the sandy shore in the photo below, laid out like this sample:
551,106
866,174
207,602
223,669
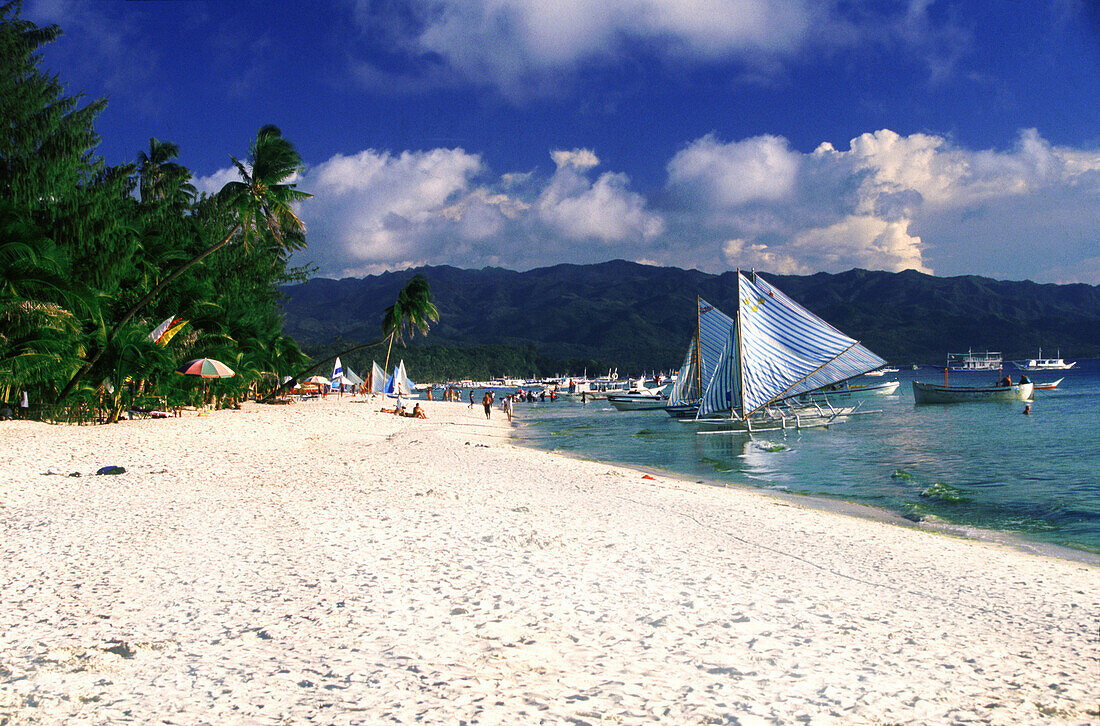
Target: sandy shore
324,563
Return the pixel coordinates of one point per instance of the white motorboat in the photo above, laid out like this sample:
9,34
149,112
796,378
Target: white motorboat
638,399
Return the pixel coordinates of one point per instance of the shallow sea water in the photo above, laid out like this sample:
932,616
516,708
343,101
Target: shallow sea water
979,466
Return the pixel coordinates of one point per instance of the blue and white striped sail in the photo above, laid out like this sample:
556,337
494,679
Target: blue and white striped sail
786,350
714,330
702,356
724,390
678,394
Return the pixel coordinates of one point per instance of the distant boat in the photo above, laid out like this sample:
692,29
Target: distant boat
1043,364
776,352
971,361
848,391
1047,386
638,399
935,393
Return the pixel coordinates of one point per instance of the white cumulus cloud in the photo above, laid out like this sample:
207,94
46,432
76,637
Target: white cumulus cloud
604,210
890,202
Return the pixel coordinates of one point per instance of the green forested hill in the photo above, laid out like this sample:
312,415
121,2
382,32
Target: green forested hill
640,317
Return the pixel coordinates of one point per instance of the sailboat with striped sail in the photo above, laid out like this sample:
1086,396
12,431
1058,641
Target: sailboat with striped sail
775,351
712,328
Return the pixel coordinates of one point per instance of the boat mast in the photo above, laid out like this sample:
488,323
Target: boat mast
698,349
738,378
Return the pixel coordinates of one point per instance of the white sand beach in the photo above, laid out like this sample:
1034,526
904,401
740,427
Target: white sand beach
325,563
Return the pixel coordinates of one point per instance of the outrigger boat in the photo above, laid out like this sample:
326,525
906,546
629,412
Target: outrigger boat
712,328
775,350
1044,364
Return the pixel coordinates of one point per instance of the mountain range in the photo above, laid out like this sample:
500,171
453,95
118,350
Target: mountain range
641,317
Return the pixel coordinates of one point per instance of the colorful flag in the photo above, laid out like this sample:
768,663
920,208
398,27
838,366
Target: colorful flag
166,330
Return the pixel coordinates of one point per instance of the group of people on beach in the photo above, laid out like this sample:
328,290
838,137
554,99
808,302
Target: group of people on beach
400,409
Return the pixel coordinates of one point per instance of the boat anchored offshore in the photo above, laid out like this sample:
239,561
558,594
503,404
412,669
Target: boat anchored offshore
971,361
1048,385
935,393
638,399
712,328
1044,364
848,391
774,351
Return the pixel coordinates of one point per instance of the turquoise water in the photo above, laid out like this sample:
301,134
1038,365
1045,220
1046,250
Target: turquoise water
978,465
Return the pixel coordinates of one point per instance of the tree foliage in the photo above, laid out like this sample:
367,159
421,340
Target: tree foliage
93,257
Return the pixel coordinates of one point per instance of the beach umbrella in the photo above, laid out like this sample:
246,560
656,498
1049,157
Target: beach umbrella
205,368
318,381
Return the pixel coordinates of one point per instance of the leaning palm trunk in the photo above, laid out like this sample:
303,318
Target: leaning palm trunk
389,347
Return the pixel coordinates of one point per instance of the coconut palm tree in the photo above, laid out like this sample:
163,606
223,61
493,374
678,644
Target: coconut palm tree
413,310
160,178
262,205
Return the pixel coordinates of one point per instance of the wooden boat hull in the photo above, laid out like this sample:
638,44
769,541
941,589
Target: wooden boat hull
686,410
933,393
1048,386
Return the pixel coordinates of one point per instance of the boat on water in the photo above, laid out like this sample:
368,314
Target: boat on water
712,329
935,393
1040,363
774,351
971,361
1048,385
847,391
638,399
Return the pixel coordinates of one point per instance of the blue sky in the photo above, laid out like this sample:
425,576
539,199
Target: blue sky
795,137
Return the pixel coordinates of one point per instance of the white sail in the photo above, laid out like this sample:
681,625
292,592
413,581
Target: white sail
678,395
377,378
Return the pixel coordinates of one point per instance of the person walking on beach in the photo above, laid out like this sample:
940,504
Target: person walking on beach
487,402
471,399
24,405
508,408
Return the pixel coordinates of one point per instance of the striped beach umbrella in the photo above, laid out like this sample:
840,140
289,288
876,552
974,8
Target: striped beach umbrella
206,368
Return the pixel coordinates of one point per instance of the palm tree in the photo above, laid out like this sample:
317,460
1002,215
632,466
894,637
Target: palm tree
413,310
160,178
262,203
